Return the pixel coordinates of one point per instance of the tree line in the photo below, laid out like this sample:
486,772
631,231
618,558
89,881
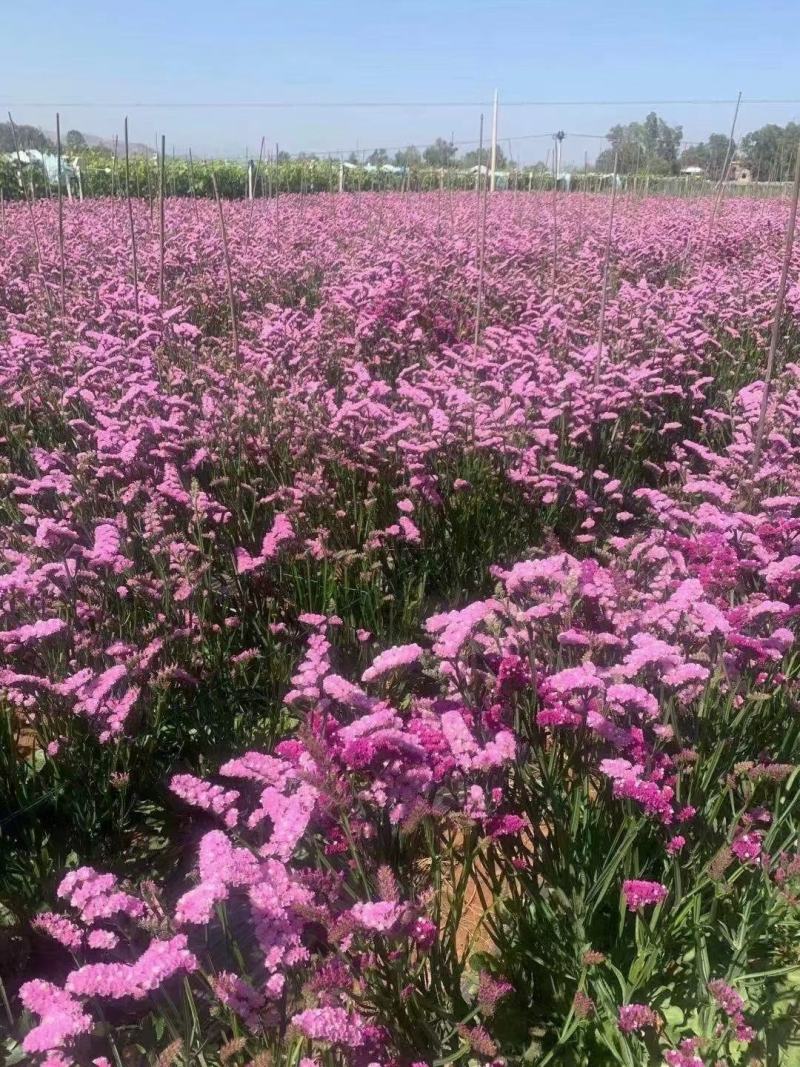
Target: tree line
654,147
651,146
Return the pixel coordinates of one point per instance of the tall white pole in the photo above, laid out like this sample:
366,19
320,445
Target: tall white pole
493,159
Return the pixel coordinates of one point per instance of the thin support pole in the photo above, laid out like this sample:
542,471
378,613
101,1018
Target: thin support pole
776,322
31,213
192,186
493,158
130,221
252,197
161,223
481,240
606,264
720,185
231,296
62,282
114,182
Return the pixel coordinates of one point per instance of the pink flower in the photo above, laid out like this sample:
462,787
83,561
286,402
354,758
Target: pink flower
207,796
391,660
639,894
747,846
380,916
633,1017
331,1024
159,961
60,929
61,1016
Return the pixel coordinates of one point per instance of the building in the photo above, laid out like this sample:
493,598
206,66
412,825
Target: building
47,163
740,173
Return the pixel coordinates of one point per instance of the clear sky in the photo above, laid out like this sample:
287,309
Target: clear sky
202,62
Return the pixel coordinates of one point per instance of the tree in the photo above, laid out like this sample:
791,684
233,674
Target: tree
769,151
441,153
718,144
710,155
378,157
75,141
650,146
471,158
27,137
407,157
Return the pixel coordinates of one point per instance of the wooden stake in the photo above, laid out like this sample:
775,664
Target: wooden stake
114,182
231,297
130,220
191,185
493,157
776,322
2,211
555,218
720,185
60,223
150,188
481,241
31,213
161,222
252,200
604,296
583,194
478,190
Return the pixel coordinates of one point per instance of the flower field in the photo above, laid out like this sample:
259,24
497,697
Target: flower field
384,687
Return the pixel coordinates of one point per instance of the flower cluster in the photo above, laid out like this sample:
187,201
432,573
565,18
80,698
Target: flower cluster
485,638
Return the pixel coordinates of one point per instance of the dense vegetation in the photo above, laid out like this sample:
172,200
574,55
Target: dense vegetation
385,686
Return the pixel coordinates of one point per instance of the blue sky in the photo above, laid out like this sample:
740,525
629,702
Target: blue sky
191,58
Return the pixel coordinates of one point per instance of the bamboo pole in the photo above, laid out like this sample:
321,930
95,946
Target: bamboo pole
481,236
604,296
192,187
776,322
31,214
583,195
252,199
493,158
720,185
478,190
231,296
62,282
114,183
555,218
130,220
161,223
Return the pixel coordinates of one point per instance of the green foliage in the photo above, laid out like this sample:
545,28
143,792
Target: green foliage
75,141
710,155
770,151
650,146
473,158
440,154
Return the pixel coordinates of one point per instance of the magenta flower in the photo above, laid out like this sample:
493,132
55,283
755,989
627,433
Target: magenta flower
639,894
